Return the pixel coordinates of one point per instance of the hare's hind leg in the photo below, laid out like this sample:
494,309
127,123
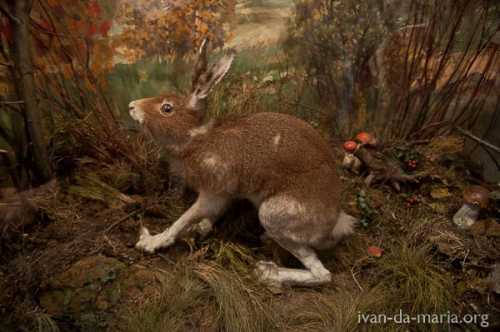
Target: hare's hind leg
315,275
207,206
283,219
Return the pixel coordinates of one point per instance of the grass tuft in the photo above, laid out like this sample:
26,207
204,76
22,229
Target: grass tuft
180,295
238,303
331,310
238,257
416,284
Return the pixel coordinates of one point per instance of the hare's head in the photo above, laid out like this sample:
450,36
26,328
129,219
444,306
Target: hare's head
170,117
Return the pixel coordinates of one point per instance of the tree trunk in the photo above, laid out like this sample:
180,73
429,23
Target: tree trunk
26,88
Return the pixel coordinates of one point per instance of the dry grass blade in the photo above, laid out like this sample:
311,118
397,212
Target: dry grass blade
45,323
230,254
239,306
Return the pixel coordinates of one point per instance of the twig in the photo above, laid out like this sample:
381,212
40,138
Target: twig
419,142
11,204
166,259
353,274
119,221
15,102
4,151
477,139
465,259
110,243
355,279
9,14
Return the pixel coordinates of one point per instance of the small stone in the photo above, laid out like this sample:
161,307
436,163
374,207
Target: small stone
463,223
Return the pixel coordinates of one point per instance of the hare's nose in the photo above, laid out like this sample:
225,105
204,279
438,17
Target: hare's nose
136,112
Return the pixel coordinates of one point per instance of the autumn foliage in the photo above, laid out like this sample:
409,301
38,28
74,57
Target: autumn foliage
73,33
164,29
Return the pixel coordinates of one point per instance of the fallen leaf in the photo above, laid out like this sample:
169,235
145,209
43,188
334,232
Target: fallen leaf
439,208
374,251
438,193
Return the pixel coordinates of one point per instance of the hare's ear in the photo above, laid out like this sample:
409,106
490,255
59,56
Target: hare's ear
205,78
201,65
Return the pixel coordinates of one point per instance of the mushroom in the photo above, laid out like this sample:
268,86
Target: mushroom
475,199
351,162
367,139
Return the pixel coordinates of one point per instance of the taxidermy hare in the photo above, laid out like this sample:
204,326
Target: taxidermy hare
277,161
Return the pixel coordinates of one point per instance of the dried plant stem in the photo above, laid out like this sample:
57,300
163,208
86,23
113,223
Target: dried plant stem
477,139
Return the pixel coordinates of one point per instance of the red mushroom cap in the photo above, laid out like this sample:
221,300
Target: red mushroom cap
350,146
366,138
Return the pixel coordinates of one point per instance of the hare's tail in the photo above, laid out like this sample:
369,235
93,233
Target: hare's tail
344,227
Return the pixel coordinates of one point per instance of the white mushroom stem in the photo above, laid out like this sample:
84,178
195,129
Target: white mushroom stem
466,216
351,162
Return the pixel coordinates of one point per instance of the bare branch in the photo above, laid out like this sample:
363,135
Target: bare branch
15,102
7,13
477,139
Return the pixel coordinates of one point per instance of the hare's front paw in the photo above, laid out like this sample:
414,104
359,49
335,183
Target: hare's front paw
149,243
268,273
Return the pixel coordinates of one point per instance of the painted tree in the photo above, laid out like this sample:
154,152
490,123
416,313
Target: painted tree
17,33
73,32
163,29
54,51
395,66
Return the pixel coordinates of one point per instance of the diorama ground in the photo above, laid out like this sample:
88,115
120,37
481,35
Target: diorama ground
67,250
73,267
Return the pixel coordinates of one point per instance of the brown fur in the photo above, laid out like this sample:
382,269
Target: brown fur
247,162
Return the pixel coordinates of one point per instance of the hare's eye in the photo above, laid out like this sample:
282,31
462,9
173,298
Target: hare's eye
166,108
